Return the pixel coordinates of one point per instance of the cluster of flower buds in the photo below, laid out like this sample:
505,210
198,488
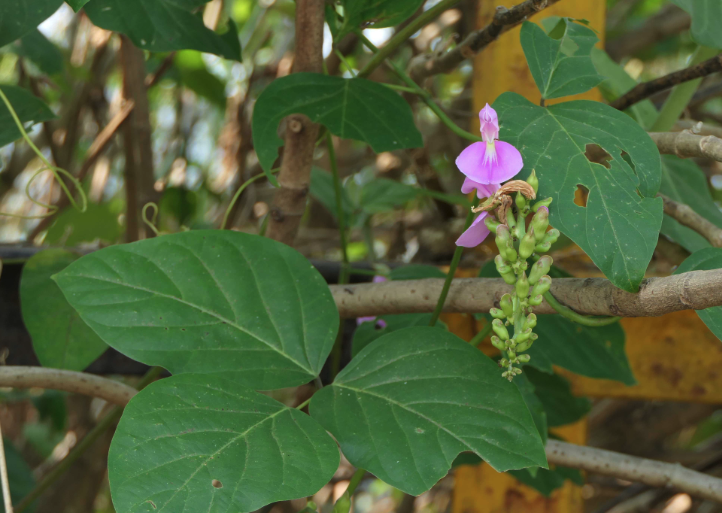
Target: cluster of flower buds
518,243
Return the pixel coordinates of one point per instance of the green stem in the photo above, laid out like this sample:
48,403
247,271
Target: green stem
340,214
304,403
452,270
483,333
681,94
404,34
238,195
573,316
355,481
88,440
401,88
368,232
344,61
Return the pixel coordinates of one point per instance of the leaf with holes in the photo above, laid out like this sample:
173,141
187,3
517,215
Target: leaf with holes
27,106
350,108
706,20
375,14
560,61
202,443
239,305
60,338
706,260
411,401
18,17
619,226
161,26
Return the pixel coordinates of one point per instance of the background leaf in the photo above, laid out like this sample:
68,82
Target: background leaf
555,394
383,195
27,106
98,222
202,443
195,76
706,20
560,62
323,190
36,47
60,337
160,26
243,306
77,4
375,13
20,476
546,481
18,17
618,229
416,272
705,260
419,397
350,108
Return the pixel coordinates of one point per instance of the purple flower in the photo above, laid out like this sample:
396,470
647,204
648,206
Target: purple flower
482,190
381,324
474,234
491,161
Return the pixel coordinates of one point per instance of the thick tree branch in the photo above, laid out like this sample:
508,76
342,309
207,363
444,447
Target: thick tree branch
694,290
432,64
294,177
646,89
632,468
685,145
68,381
685,216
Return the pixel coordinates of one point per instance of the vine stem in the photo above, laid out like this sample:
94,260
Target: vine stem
238,195
481,335
340,214
573,316
355,481
7,498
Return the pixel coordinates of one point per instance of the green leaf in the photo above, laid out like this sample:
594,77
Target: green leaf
77,4
36,47
243,306
98,222
27,106
560,62
20,476
555,394
706,20
416,272
160,26
619,227
203,443
368,331
323,190
535,406
706,260
350,108
375,13
382,195
60,338
411,401
684,181
546,481
195,76
18,17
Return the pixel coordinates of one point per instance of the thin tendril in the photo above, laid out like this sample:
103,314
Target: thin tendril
238,195
150,222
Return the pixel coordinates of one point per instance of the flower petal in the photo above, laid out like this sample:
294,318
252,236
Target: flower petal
489,124
497,169
508,162
361,320
482,190
379,279
474,234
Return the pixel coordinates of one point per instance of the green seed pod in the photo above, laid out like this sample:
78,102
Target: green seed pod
503,235
540,223
543,247
498,326
497,314
520,201
533,181
535,300
541,203
491,223
542,286
533,337
530,322
501,266
527,244
551,236
510,220
522,287
524,358
511,254
540,268
516,370
497,343
507,305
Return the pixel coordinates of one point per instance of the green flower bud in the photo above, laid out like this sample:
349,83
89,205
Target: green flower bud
522,287
530,322
524,346
540,222
491,223
503,235
500,329
523,358
542,286
551,236
510,220
536,300
507,306
527,244
533,337
520,201
501,266
511,254
497,314
543,247
541,203
533,181
540,268
516,371
522,336
503,362
497,343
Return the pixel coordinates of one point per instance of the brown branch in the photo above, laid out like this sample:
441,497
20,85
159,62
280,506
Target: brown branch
632,468
698,128
646,89
427,65
694,290
685,145
294,177
685,216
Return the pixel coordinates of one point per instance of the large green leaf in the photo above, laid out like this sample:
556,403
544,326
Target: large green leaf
684,181
560,62
60,338
350,108
555,394
18,17
706,20
368,331
160,26
705,260
375,13
36,47
535,406
243,306
27,106
202,443
411,401
619,226
382,195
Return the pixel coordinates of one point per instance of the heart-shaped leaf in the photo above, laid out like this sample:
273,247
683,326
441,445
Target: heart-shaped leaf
706,20
18,17
560,62
706,260
28,108
619,226
350,108
375,13
202,443
411,401
249,308
60,337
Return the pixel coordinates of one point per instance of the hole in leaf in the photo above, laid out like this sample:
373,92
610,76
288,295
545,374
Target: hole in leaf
581,195
217,484
597,155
